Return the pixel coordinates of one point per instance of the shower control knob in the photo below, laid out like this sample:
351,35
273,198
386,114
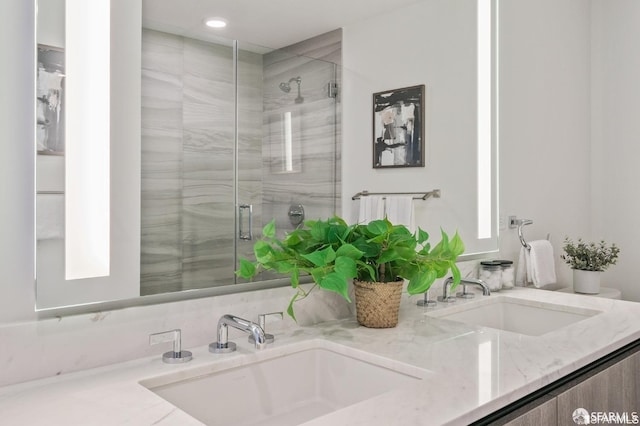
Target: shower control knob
296,214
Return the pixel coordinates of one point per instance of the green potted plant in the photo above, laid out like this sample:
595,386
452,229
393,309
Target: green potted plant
378,256
588,261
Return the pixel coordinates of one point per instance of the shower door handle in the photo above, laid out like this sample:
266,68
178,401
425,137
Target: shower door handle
246,236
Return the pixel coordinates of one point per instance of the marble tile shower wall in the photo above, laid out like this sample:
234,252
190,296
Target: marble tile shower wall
328,47
161,186
315,180
187,163
187,142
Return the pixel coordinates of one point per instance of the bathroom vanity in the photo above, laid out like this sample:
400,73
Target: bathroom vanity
610,385
436,367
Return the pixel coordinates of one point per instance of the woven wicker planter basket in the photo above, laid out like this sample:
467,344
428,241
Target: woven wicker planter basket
377,304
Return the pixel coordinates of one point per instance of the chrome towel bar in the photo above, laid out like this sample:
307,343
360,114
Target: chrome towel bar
417,195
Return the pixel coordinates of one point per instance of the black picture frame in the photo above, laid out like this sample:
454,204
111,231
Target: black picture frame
398,128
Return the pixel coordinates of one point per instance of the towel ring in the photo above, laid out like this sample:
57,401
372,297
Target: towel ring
522,240
519,223
513,222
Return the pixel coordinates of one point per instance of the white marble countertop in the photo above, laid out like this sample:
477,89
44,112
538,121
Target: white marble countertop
475,370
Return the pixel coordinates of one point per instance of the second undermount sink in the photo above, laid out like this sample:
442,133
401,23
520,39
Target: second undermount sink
516,315
284,389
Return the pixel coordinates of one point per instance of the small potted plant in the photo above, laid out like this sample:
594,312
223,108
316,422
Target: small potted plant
378,256
588,261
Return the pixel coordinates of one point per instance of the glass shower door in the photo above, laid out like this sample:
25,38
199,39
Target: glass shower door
287,147
233,136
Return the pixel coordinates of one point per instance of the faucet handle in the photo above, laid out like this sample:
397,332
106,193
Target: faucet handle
262,320
426,302
177,356
464,294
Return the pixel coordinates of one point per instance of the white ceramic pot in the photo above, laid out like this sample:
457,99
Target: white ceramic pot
587,282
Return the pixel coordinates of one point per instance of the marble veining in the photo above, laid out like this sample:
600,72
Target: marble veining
473,370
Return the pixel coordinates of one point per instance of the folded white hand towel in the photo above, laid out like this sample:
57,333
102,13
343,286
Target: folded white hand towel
371,208
522,272
400,211
543,269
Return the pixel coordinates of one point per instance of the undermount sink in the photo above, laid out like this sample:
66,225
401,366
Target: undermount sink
516,315
286,389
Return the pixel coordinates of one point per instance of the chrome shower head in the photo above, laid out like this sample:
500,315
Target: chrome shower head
285,87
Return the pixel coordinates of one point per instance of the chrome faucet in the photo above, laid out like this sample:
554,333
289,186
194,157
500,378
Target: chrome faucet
224,346
446,289
465,295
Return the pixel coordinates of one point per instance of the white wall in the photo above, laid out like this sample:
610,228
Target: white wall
544,113
17,133
51,22
433,43
616,136
569,127
545,122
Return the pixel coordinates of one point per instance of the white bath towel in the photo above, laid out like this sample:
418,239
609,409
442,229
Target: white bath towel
49,216
371,208
543,268
399,211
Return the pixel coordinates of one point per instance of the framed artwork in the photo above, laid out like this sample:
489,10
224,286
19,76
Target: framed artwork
50,100
398,128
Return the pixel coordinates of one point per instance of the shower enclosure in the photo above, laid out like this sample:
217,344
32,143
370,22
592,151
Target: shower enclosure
233,136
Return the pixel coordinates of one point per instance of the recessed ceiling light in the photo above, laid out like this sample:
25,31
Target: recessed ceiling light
215,22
